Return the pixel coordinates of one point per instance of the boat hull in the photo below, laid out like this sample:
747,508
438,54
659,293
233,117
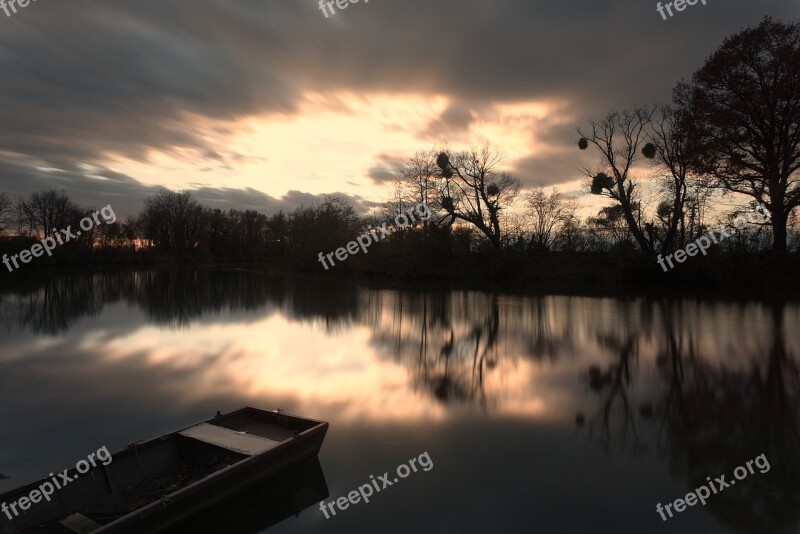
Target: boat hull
243,448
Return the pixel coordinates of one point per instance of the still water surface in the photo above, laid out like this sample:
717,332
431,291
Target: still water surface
540,413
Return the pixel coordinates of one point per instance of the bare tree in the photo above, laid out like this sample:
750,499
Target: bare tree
573,235
474,191
549,214
322,227
745,101
49,211
674,147
419,177
609,225
6,212
172,220
619,137
20,217
415,184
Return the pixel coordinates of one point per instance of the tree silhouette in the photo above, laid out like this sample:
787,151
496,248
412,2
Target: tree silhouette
745,104
474,190
619,137
6,212
548,213
674,146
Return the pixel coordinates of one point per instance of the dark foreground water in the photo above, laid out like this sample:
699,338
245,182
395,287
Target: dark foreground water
538,413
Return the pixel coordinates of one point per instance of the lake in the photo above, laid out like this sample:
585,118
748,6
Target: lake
539,413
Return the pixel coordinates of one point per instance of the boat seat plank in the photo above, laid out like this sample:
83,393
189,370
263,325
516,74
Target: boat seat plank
79,523
232,440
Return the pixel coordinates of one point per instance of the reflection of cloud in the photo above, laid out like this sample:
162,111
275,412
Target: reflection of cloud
342,375
276,357
365,359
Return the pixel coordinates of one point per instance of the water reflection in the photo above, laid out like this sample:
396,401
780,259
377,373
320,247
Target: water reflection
715,417
700,385
710,415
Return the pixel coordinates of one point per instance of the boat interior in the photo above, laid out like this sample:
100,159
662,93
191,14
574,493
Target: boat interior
148,471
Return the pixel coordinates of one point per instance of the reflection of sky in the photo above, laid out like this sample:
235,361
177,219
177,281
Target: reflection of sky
366,370
275,356
116,376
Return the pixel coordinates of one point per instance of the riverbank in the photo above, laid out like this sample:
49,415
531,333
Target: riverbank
722,276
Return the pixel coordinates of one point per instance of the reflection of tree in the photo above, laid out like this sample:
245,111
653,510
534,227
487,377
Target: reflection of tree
544,340
471,359
51,306
173,297
456,371
713,418
612,386
453,342
669,361
729,416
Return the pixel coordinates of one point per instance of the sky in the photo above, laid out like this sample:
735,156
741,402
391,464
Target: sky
268,104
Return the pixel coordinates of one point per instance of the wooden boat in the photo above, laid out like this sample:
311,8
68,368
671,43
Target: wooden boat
263,504
155,484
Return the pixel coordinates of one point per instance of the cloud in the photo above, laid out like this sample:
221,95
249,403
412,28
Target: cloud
453,123
387,169
100,187
88,187
89,80
544,170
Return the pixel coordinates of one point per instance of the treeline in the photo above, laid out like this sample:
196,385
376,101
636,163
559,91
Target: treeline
171,225
174,226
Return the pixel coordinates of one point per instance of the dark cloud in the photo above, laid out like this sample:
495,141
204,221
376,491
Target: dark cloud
241,199
298,198
546,170
88,78
387,169
88,188
453,122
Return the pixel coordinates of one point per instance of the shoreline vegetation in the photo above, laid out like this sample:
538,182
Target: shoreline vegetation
173,231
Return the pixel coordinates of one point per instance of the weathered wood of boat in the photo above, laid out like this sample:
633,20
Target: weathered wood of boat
263,504
154,484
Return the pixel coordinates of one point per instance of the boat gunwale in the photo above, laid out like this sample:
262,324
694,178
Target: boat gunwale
316,427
